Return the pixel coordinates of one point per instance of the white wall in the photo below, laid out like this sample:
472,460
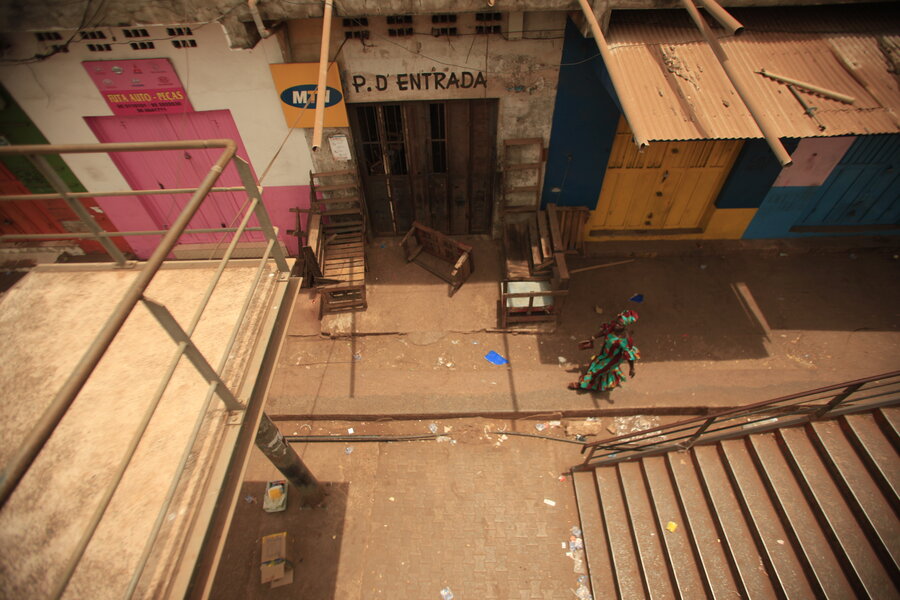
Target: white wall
57,93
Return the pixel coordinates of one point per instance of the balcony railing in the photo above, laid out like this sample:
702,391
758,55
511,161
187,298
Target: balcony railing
795,409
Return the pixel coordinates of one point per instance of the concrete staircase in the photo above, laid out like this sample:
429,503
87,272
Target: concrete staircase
808,511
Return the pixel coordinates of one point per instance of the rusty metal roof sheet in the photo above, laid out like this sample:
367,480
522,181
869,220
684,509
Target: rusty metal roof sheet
679,91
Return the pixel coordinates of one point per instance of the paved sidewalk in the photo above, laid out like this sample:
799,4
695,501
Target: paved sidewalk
407,519
715,331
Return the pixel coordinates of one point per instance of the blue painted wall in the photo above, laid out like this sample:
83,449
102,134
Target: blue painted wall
863,189
584,126
753,173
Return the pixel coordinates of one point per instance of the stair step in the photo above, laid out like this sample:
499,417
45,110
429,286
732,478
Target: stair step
677,544
889,420
863,567
784,567
714,563
629,582
596,547
878,454
647,533
874,512
736,534
822,567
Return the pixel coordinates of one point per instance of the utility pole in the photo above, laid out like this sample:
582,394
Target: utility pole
283,456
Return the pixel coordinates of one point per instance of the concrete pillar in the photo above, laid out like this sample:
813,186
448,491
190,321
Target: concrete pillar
283,456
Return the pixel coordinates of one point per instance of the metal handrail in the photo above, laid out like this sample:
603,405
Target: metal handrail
793,409
15,470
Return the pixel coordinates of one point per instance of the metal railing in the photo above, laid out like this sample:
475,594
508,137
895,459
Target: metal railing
18,466
822,403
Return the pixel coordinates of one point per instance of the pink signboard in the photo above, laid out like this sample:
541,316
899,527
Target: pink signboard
139,87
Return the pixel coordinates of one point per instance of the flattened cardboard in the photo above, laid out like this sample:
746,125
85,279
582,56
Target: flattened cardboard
272,563
287,578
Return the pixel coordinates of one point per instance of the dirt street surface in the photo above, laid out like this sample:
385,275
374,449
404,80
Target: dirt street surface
486,516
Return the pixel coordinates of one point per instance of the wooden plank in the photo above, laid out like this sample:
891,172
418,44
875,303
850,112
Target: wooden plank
544,229
553,220
333,173
534,244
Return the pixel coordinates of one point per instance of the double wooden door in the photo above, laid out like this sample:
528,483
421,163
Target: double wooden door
432,162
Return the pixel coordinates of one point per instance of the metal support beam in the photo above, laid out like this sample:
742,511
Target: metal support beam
319,121
84,216
762,121
851,389
158,192
112,234
193,354
270,441
618,79
262,215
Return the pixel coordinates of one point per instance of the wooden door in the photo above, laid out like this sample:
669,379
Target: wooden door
668,188
432,162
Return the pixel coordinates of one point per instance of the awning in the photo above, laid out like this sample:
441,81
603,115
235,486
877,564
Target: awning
677,90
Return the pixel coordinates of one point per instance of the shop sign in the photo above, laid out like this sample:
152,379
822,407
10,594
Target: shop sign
140,86
428,80
297,86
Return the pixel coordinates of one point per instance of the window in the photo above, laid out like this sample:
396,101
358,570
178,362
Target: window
142,46
93,35
184,43
178,31
356,22
488,16
438,135
48,36
61,48
99,47
399,20
135,33
439,31
357,35
488,29
443,18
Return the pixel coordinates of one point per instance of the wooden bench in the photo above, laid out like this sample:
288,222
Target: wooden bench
435,252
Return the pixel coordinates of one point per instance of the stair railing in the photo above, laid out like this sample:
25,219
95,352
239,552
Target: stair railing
812,405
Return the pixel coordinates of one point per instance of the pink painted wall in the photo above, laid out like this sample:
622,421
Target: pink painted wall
178,168
814,159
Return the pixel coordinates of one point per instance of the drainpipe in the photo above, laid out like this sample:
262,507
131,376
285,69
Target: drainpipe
257,18
319,122
765,126
722,16
615,75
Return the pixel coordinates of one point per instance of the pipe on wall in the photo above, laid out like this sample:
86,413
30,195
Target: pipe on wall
319,121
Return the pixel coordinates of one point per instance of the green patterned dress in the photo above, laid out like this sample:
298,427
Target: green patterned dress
605,370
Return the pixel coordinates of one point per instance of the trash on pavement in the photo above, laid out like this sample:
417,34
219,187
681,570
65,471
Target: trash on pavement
494,358
637,298
275,499
443,438
433,428
672,526
541,426
350,430
446,594
348,450
249,499
549,502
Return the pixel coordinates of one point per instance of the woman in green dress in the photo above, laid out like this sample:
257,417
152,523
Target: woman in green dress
615,348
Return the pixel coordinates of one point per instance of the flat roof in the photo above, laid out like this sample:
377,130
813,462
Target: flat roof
47,321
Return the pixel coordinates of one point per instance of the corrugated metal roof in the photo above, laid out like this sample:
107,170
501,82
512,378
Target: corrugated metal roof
679,91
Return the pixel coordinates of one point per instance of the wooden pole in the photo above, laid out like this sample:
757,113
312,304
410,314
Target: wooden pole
591,268
618,80
321,88
809,87
762,121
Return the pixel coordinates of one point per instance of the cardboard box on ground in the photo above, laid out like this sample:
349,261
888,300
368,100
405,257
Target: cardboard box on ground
274,568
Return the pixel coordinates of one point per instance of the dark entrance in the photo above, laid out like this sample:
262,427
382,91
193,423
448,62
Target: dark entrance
431,162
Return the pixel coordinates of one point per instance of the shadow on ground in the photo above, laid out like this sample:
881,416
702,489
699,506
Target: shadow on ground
315,554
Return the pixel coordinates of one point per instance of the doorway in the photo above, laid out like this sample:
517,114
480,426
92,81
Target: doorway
431,162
